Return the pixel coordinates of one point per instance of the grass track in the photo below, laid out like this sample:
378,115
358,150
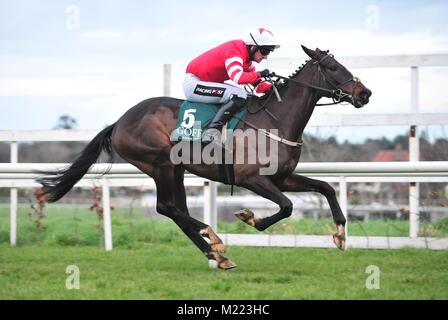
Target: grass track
178,271
152,259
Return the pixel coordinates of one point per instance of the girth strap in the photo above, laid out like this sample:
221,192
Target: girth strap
281,140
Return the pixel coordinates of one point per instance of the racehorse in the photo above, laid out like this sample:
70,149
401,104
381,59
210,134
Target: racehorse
142,137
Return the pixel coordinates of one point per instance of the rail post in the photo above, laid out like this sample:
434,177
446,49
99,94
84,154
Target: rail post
343,200
210,206
13,196
106,215
414,155
167,80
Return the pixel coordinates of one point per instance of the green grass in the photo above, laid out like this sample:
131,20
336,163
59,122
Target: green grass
324,227
391,228
78,226
152,259
176,271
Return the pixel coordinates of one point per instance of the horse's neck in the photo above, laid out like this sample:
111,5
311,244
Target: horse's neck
298,105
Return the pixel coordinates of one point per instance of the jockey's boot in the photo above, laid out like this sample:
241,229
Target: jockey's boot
225,112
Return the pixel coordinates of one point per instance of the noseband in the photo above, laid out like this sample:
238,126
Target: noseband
337,94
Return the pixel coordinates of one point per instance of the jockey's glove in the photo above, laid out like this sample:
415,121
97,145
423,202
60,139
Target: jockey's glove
265,73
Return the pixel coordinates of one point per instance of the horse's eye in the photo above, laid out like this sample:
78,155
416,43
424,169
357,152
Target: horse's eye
333,68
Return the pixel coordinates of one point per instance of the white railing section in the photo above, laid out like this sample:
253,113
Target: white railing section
343,173
392,61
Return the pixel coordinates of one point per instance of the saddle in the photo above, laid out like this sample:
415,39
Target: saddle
193,118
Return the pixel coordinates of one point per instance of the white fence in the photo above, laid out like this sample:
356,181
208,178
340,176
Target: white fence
14,176
21,175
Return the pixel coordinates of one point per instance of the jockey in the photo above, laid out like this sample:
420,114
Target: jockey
234,60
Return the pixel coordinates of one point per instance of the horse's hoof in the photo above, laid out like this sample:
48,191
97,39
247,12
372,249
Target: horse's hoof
220,261
226,264
339,241
247,216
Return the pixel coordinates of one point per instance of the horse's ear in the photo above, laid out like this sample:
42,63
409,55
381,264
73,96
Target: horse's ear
312,54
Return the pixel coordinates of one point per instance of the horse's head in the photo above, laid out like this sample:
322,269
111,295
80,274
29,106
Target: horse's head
334,76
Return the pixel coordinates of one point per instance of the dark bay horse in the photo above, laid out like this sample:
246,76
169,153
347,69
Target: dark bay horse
142,137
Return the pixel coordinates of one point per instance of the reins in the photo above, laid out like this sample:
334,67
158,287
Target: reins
337,94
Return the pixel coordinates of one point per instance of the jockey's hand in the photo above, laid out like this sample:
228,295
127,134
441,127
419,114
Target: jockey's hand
255,84
263,87
265,73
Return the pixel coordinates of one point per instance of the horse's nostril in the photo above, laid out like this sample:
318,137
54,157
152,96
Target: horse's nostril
365,94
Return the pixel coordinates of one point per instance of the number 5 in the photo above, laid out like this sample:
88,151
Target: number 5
189,118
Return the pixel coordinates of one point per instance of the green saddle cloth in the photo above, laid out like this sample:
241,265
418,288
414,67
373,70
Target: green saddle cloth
194,117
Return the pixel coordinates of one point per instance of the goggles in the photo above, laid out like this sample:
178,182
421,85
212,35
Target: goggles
264,51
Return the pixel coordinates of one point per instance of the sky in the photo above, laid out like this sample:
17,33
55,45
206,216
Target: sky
93,60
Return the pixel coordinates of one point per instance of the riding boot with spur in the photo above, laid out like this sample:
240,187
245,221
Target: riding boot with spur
225,112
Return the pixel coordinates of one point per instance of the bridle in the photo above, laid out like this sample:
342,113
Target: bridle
336,93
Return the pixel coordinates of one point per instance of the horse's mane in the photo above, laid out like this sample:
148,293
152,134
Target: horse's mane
283,84
299,69
295,73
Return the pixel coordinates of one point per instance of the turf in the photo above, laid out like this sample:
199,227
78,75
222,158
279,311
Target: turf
152,259
178,271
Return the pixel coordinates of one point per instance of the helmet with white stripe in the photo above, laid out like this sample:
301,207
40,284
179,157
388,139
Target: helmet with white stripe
262,37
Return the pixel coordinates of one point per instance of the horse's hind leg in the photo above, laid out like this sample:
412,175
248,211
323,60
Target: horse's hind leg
297,183
264,187
168,181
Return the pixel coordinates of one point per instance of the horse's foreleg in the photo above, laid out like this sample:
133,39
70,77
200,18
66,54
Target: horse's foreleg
171,201
264,187
181,202
297,183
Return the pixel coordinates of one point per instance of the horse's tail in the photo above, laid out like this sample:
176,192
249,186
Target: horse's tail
57,183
